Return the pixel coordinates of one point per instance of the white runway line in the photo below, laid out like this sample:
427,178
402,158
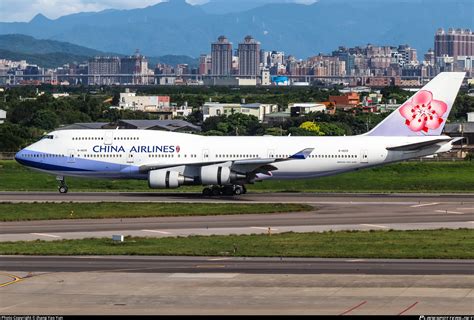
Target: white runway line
374,225
157,231
424,205
263,228
355,260
447,211
45,235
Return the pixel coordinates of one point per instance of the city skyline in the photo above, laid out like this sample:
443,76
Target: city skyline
375,66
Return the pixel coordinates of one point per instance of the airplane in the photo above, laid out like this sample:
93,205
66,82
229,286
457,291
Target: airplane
224,165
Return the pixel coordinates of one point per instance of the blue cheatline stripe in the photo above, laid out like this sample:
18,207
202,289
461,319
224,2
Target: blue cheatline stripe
80,165
47,166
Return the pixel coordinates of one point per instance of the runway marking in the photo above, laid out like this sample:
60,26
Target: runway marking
374,225
446,211
45,235
424,205
353,308
219,259
355,260
210,266
205,275
157,231
263,228
410,307
15,280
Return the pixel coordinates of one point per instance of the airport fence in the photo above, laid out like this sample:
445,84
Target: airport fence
7,155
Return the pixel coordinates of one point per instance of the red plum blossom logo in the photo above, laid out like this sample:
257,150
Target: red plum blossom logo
422,113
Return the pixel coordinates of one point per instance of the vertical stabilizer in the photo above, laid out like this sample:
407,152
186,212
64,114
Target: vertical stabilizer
424,113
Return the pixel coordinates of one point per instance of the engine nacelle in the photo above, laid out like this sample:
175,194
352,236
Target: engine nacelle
216,175
165,179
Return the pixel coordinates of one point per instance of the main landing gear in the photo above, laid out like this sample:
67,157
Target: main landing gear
229,190
62,185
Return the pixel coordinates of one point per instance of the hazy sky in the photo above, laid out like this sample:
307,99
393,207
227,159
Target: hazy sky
25,10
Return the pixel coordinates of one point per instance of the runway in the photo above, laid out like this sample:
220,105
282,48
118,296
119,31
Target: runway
227,285
222,286
157,264
311,198
331,212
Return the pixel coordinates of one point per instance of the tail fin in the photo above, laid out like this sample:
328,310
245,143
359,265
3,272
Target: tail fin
425,113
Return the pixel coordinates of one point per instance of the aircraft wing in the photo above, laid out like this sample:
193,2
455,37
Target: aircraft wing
245,166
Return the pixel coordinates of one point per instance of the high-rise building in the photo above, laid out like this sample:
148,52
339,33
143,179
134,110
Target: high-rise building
249,57
136,69
205,64
429,57
103,70
454,43
221,57
408,55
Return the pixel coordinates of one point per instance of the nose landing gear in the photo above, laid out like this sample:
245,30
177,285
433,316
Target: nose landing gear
62,185
228,190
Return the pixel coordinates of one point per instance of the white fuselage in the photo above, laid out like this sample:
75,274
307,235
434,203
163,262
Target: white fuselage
122,153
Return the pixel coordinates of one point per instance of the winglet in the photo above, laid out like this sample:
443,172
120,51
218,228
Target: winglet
303,154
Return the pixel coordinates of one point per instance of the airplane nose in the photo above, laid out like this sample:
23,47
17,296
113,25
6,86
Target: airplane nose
19,156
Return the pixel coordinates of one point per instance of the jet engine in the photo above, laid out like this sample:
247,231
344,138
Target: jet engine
217,175
166,179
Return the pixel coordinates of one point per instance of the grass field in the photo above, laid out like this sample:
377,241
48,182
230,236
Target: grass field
428,244
401,177
102,210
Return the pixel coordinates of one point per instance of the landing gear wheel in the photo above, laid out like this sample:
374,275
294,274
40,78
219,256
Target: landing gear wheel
238,190
228,190
62,184
207,192
216,191
63,189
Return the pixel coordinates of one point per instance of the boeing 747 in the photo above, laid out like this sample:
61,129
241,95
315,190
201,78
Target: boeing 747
224,165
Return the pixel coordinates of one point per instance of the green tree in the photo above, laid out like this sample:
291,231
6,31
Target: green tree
45,119
313,127
297,131
275,131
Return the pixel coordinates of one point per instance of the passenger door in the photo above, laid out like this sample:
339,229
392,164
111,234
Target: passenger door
71,156
108,138
205,155
270,153
364,156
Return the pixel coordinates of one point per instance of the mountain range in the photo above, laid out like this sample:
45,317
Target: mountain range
178,28
52,53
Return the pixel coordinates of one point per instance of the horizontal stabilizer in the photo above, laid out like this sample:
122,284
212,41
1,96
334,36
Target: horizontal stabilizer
417,145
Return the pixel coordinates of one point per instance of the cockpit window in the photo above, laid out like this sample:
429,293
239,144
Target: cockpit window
49,136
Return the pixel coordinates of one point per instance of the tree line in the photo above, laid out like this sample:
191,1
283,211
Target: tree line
31,114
